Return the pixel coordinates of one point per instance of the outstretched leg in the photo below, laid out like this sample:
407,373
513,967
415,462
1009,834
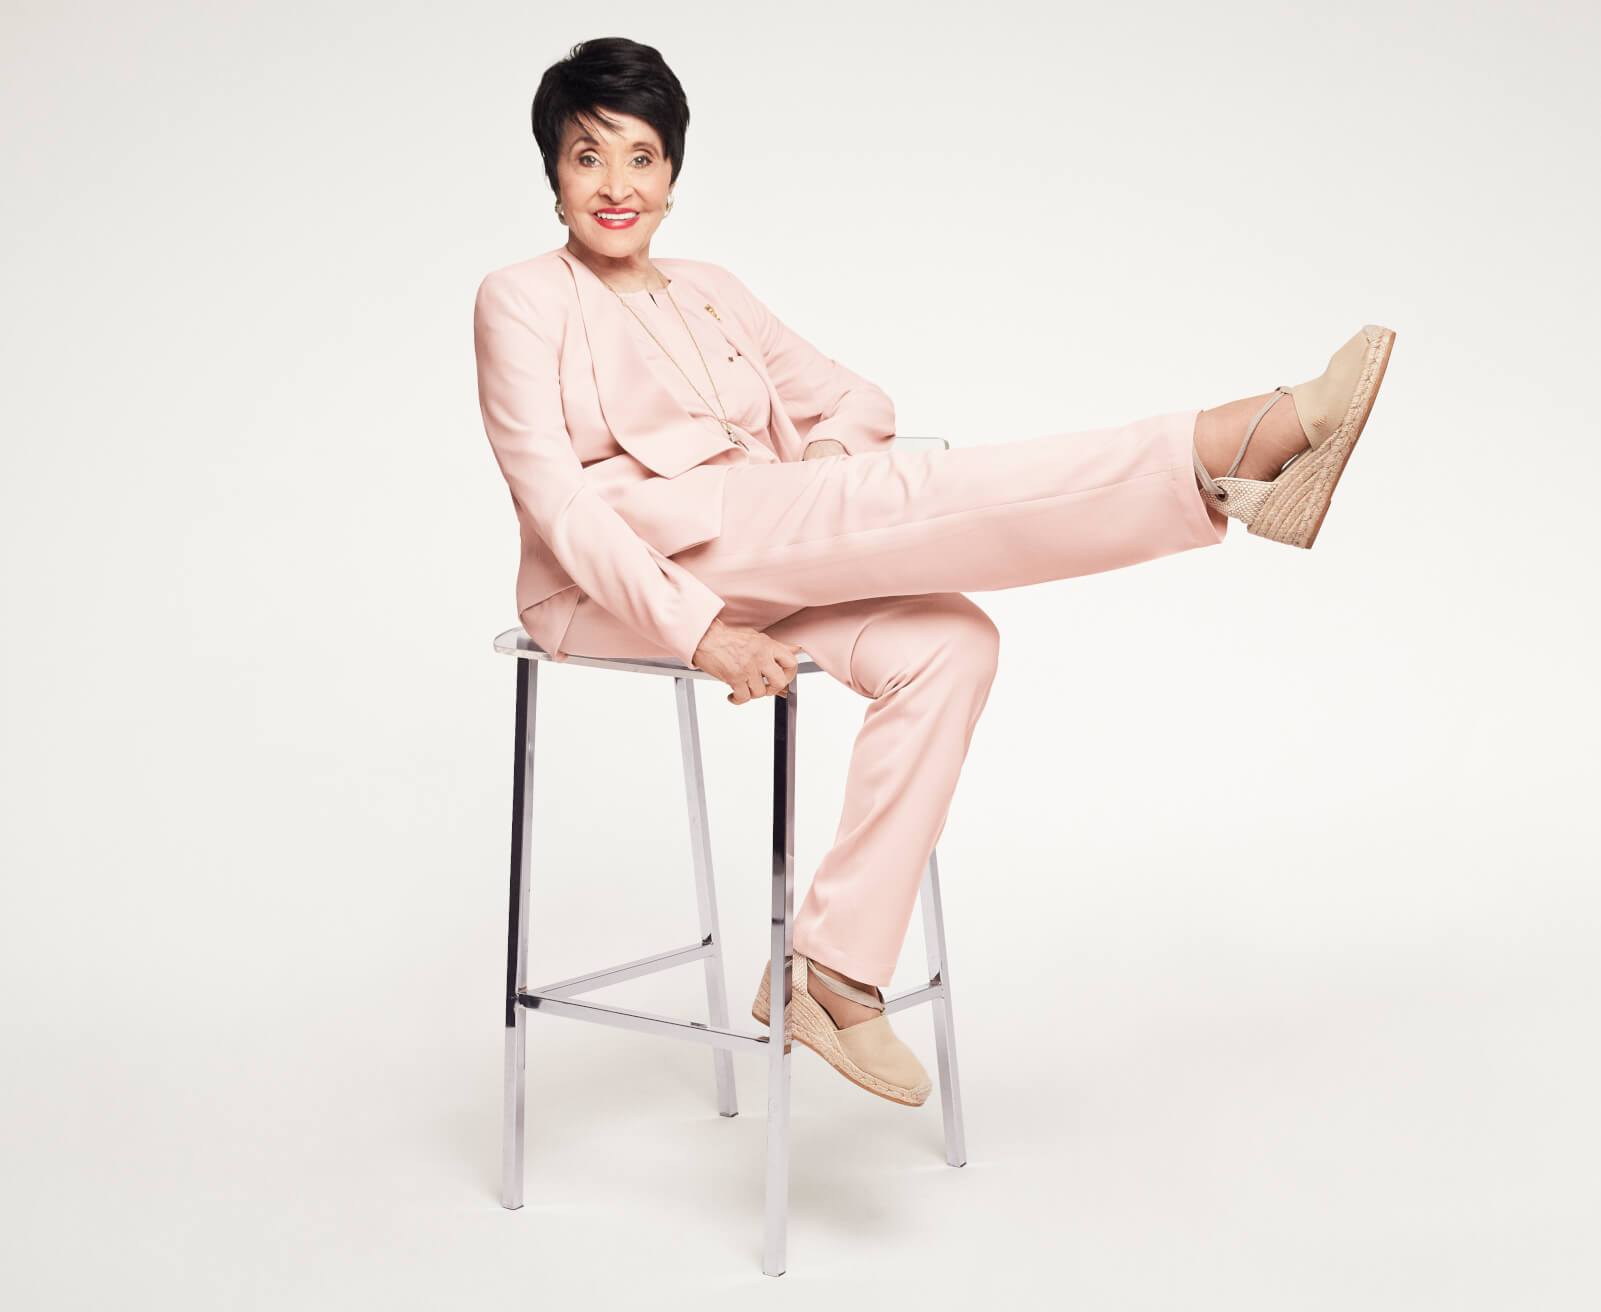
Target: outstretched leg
970,519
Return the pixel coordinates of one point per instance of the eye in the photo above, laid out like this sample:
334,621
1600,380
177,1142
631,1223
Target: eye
589,155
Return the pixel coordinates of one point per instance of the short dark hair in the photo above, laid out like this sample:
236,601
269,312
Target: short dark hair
609,73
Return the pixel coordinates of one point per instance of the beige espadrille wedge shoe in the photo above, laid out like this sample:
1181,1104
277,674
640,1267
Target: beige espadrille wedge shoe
1333,409
869,1054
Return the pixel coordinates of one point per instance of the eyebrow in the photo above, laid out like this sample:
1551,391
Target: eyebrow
591,140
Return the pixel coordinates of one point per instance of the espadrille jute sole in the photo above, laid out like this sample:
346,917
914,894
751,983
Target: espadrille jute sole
810,1025
1294,510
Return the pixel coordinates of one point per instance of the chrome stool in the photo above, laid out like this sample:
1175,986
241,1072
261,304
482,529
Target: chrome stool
559,998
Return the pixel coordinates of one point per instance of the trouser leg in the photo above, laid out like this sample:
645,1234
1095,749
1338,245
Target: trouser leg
968,519
927,664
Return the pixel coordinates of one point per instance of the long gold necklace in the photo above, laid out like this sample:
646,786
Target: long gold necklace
666,287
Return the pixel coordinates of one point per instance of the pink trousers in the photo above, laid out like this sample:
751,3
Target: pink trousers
862,561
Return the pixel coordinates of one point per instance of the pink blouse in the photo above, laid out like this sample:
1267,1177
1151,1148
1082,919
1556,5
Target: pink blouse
739,387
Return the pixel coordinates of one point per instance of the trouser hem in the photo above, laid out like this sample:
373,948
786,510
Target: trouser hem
846,961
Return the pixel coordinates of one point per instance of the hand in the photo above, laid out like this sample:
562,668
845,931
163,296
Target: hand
743,657
824,446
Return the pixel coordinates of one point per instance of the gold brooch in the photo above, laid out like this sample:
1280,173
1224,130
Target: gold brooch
713,312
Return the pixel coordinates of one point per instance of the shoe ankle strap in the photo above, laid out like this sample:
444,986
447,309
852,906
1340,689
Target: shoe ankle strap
1208,484
874,1000
1240,455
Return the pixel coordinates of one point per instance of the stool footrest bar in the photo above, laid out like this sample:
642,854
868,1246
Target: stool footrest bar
671,1027
628,970
642,1022
914,997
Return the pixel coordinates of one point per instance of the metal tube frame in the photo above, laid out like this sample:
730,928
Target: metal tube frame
558,998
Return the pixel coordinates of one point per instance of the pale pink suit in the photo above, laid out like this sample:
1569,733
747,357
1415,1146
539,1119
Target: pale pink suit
641,520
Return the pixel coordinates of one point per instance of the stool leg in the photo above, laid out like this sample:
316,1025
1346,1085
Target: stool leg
705,890
950,1092
780,963
522,809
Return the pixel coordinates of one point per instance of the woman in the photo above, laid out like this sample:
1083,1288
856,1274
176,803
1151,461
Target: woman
694,480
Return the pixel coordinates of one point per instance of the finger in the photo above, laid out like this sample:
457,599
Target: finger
778,676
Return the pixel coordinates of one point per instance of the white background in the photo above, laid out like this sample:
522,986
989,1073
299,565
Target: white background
1271,879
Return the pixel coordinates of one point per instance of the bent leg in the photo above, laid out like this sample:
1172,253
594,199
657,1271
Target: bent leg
927,663
968,519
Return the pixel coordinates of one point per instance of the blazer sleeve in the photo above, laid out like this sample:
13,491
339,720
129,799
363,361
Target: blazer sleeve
519,393
845,406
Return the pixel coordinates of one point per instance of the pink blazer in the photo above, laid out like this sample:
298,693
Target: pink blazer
559,367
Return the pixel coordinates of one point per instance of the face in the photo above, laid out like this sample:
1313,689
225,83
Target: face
602,169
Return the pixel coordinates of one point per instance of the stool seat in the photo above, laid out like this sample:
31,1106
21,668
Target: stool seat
516,642
559,998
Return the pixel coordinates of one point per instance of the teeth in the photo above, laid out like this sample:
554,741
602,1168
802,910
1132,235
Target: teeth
616,214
